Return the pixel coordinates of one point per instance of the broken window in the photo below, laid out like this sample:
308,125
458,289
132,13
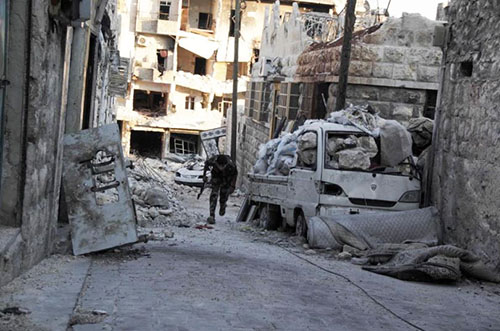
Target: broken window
466,68
189,103
204,21
150,101
162,56
200,66
164,10
184,143
146,143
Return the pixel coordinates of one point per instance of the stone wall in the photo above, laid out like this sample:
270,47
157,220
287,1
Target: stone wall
466,182
251,134
35,149
391,66
396,103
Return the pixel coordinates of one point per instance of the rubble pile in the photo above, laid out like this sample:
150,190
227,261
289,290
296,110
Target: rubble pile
155,195
386,140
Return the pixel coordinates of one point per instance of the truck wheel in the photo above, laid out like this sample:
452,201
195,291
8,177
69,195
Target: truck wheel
301,226
270,216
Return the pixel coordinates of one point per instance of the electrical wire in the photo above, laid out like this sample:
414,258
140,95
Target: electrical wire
347,279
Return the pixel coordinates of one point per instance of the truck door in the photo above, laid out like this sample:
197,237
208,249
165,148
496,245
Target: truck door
303,182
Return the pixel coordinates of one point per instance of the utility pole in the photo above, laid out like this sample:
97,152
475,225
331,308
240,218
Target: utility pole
345,57
234,111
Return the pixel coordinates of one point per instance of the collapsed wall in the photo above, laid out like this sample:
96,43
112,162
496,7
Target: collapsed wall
466,181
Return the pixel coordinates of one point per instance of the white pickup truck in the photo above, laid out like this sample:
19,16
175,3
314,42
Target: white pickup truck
321,190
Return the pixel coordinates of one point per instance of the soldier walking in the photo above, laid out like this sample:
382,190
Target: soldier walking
224,174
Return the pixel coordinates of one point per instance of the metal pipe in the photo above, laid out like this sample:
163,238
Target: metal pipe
234,112
345,57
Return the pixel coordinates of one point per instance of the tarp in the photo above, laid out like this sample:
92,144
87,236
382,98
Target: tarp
368,230
199,45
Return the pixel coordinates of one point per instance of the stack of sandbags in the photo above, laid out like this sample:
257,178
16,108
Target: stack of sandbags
421,133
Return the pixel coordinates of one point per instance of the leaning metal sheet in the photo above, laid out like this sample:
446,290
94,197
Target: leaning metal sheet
100,208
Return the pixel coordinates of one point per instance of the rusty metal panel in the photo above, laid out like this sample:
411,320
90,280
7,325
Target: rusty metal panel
100,208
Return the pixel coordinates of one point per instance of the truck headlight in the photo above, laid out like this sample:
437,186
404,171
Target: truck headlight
410,196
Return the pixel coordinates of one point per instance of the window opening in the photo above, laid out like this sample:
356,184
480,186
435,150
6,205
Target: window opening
204,21
232,21
189,103
146,143
164,10
466,68
150,102
184,143
161,57
430,103
200,66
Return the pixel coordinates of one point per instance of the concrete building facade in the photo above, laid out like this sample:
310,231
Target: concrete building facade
466,177
181,55
45,59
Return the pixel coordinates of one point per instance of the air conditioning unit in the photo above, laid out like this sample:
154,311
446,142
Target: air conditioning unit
141,41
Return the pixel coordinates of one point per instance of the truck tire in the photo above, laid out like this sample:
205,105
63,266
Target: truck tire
270,216
301,226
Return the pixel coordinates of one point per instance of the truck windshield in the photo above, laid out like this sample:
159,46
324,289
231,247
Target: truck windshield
360,152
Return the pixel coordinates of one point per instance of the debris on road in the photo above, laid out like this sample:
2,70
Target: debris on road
15,311
156,195
440,263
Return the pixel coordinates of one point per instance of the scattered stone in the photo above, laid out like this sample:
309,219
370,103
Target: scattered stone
168,234
306,246
153,213
344,256
16,311
352,250
310,252
165,212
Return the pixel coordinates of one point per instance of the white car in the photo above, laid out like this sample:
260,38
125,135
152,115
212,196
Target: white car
191,174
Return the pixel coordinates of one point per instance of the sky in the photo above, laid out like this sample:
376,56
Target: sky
425,7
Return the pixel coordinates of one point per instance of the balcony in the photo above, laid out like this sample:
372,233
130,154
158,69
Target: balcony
153,75
156,23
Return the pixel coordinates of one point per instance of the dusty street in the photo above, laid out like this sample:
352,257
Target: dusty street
234,277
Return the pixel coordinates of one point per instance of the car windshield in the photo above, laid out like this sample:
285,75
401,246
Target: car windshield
360,152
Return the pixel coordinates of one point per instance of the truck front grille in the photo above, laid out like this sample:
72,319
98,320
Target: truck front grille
372,203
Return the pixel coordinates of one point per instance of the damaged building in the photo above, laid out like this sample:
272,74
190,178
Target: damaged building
466,172
181,55
60,73
394,68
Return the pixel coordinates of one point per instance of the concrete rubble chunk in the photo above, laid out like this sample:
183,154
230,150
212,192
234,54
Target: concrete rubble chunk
354,158
156,197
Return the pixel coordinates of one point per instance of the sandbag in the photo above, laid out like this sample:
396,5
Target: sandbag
395,143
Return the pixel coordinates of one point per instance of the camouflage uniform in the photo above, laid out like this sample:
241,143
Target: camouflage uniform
223,181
